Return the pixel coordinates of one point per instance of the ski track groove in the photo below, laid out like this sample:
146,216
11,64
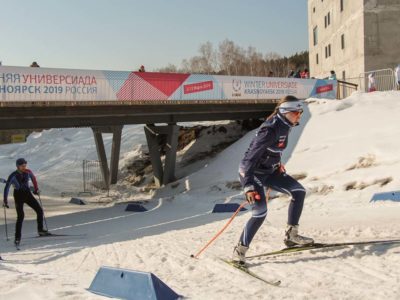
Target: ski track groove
370,271
85,257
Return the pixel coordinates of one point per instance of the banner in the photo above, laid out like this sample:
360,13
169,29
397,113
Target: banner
45,84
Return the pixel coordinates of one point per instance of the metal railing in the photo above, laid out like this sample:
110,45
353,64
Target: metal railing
345,89
385,80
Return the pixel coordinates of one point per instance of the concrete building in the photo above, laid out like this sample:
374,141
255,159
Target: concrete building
353,36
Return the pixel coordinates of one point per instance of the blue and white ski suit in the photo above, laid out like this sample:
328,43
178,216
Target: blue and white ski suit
260,169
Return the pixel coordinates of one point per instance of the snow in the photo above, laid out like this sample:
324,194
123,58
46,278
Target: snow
345,150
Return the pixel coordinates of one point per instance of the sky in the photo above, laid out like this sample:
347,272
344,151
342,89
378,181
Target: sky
124,34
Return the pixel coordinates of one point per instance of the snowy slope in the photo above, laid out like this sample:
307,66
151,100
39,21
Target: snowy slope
56,155
347,150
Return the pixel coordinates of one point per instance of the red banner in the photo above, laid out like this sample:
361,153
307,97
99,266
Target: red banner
198,87
324,88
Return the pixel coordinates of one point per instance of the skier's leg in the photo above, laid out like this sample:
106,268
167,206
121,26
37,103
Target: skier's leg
34,204
284,183
259,213
19,207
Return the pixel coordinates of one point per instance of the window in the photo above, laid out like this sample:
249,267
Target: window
327,19
317,59
342,41
343,75
341,5
328,51
313,10
315,35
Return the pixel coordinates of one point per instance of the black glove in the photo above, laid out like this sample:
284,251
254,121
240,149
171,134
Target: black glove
5,204
252,197
36,192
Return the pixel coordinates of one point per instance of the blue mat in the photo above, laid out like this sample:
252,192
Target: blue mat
130,284
388,196
135,207
77,201
227,208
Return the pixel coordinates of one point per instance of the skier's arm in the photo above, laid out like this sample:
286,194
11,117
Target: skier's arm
7,188
265,137
34,181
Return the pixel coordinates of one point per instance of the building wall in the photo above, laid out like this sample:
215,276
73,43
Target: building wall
349,22
382,34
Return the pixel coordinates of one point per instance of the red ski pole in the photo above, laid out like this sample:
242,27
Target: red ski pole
244,203
221,230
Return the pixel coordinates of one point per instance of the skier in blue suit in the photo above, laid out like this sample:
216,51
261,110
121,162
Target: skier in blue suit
262,168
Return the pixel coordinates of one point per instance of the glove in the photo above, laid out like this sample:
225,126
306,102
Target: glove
252,197
36,192
5,204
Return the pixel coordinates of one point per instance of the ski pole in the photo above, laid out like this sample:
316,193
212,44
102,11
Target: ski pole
5,223
44,217
2,180
244,203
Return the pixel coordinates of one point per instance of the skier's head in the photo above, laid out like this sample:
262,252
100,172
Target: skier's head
21,164
290,107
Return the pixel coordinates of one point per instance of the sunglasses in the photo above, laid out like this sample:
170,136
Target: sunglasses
297,112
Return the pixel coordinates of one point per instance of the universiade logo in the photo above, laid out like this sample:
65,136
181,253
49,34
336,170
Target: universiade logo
236,87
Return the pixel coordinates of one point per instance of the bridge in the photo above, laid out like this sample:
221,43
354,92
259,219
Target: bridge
43,98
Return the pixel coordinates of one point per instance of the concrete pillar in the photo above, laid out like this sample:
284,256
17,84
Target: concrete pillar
162,174
101,153
170,156
115,152
110,175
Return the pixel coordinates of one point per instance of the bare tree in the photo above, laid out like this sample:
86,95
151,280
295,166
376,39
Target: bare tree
170,68
231,59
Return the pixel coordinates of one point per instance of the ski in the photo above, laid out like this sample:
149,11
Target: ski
246,270
290,250
55,235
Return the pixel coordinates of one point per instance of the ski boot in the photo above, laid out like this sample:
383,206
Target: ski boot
239,254
44,233
293,239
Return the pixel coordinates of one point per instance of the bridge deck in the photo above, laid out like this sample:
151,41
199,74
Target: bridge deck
23,115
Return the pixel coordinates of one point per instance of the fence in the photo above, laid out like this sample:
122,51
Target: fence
92,177
385,80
